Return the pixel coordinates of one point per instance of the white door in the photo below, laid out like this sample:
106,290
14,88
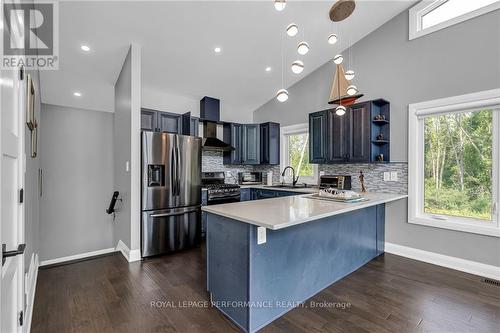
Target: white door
12,130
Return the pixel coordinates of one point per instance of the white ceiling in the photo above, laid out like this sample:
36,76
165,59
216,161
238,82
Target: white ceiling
178,38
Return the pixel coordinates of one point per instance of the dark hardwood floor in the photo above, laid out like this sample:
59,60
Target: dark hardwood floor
390,294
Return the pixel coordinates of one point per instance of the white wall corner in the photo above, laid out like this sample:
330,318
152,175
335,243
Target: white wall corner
130,255
30,288
463,265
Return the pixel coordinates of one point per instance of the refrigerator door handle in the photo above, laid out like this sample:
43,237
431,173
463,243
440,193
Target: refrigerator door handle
173,172
174,213
177,168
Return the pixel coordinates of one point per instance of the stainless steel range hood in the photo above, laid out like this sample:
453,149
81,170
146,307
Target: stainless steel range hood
210,115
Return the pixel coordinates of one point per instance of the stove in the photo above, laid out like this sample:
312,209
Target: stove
218,191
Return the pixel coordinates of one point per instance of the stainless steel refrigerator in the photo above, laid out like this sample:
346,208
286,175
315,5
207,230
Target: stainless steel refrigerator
171,193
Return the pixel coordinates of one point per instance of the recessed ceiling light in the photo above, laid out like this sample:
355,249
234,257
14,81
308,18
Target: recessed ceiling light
218,49
268,69
85,48
77,94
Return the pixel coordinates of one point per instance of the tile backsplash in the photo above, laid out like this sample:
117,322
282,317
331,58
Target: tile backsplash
373,172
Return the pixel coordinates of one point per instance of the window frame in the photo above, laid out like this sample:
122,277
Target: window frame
489,99
284,162
417,12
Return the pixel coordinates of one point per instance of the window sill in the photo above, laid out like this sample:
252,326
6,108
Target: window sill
457,226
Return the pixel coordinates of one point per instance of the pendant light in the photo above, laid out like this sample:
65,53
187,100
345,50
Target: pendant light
282,94
338,59
292,30
340,110
332,39
279,5
352,90
303,48
349,75
297,67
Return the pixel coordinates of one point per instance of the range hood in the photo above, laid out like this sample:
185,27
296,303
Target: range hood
210,116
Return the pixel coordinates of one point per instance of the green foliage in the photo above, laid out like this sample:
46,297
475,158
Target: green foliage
458,164
298,150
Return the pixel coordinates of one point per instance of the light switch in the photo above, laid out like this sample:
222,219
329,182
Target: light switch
394,176
387,176
261,235
127,166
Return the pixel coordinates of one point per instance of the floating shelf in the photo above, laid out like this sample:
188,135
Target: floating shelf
380,142
380,122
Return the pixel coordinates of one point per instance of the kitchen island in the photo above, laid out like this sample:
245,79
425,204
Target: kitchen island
266,257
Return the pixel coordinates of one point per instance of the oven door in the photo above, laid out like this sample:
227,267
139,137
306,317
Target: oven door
169,230
217,200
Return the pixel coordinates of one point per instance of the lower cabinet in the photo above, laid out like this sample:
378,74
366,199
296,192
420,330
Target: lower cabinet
245,194
259,194
204,201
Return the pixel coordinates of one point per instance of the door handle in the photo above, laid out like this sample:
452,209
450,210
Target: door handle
174,213
177,173
6,254
173,173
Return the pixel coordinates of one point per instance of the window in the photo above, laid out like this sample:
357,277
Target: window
295,152
454,148
430,16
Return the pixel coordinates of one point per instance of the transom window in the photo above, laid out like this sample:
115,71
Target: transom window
454,163
430,16
295,153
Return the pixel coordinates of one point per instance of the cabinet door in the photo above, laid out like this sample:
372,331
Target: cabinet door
149,120
265,194
236,142
270,143
251,144
168,122
359,138
245,194
338,134
317,136
194,127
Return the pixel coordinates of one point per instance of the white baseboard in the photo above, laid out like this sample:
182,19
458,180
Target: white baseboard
131,256
31,278
467,266
77,256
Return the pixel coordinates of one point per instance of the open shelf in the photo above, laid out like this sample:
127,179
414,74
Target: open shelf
380,122
380,142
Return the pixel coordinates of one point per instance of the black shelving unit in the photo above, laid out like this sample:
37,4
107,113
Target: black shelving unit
380,147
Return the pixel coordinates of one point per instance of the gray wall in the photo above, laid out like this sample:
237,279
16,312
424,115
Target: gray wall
461,59
32,198
122,152
77,163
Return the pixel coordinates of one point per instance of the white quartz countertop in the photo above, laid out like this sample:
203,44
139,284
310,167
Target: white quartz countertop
297,189
282,212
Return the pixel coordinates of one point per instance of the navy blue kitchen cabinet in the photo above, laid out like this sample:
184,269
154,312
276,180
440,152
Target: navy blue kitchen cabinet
233,135
359,136
245,194
251,144
259,194
270,143
159,121
204,201
318,133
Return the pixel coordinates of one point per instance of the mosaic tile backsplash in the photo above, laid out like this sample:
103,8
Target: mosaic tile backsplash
374,173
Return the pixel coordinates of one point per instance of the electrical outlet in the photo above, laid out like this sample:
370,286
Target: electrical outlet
394,176
261,235
387,176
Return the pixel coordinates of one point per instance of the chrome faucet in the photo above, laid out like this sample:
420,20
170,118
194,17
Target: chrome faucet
294,180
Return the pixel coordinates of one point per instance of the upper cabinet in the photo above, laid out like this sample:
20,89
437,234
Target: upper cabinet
254,143
270,143
359,136
158,121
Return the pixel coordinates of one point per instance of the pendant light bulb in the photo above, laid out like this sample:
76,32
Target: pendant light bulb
303,48
279,5
349,75
352,90
332,39
338,59
340,110
292,30
282,95
297,67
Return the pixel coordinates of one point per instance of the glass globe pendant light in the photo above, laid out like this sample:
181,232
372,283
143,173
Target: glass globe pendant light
349,75
282,95
338,59
279,5
332,39
352,90
303,48
292,30
297,67
340,110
